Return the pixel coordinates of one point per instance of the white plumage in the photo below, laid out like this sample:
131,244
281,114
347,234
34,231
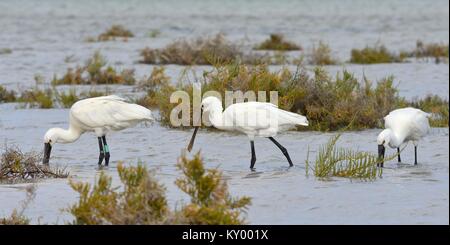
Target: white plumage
401,126
251,118
100,115
256,119
107,113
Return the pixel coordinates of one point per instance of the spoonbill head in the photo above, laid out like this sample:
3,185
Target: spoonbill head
99,115
401,126
255,119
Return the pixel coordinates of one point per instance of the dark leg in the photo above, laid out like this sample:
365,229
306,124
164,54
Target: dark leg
102,153
285,152
398,154
415,155
252,162
107,155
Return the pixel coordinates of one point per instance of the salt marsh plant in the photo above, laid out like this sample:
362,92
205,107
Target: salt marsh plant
438,51
50,97
16,167
153,85
211,203
329,103
37,98
6,95
277,42
437,106
374,55
142,200
95,71
200,51
321,55
154,33
115,31
332,161
5,51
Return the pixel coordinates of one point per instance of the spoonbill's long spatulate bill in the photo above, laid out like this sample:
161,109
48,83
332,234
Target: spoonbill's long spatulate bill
191,143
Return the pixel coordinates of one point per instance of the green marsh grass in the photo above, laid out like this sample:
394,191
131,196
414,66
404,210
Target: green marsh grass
374,55
5,51
6,95
332,161
95,71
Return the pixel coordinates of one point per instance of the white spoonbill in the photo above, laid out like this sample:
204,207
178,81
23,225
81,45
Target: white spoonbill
99,115
403,125
251,118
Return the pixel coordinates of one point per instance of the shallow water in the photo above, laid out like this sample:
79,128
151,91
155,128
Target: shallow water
42,34
406,194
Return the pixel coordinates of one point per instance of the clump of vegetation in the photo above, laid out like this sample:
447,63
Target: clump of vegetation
95,71
437,51
374,55
154,33
153,85
332,161
6,95
115,31
37,98
202,51
321,55
277,42
16,166
5,51
67,98
329,103
142,199
50,97
435,105
211,203
17,217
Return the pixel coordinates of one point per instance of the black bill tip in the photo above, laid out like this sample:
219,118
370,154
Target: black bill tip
191,143
381,151
47,151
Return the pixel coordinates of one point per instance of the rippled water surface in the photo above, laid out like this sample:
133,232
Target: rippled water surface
41,34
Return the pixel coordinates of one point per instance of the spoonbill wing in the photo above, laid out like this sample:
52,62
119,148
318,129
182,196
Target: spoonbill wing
259,115
111,112
408,121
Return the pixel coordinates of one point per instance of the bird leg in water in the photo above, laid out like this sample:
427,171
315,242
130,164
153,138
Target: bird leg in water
106,148
398,154
415,155
102,153
252,162
285,152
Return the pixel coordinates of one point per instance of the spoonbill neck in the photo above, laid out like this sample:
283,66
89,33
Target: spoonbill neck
68,135
216,116
396,139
